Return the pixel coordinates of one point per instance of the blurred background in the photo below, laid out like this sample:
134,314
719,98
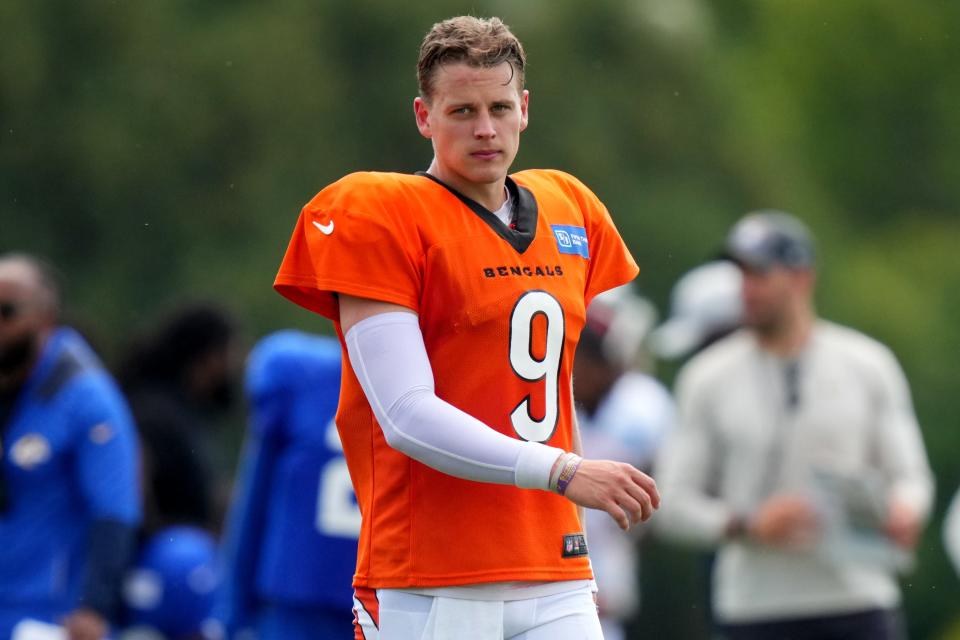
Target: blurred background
161,151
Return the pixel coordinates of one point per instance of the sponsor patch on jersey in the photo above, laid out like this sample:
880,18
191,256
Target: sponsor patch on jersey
101,433
570,239
574,545
30,450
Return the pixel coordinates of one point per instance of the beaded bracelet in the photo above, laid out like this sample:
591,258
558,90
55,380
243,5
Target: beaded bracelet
570,466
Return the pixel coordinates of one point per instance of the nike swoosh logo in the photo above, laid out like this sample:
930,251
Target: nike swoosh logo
325,229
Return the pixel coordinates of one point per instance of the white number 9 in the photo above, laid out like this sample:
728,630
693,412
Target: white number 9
531,369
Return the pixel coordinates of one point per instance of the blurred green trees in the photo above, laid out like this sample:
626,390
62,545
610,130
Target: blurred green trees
161,150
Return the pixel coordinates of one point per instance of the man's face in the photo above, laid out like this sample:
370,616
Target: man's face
474,118
22,318
769,297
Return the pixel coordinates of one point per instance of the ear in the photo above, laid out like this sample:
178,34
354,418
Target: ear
524,109
421,111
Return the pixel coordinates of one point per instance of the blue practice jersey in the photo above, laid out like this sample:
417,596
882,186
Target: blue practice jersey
292,532
69,459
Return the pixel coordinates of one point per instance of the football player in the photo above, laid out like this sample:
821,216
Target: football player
291,539
459,294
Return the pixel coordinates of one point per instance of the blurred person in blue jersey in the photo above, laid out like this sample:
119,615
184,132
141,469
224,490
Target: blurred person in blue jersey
291,538
69,495
623,413
169,593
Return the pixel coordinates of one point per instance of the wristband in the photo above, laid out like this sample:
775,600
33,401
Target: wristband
558,465
568,469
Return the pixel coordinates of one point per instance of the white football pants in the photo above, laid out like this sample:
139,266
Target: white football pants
571,615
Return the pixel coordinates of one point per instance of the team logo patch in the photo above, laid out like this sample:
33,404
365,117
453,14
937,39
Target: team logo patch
570,239
574,545
101,433
30,450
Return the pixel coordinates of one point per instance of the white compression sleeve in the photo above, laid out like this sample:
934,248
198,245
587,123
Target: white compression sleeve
388,356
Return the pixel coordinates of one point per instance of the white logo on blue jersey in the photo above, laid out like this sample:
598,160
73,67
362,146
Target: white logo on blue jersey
30,451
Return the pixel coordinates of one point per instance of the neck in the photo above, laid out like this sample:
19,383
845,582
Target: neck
490,195
788,338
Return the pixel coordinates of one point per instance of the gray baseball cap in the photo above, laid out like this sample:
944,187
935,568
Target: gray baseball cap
764,239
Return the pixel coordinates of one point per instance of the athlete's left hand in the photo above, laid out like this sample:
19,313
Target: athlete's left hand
85,624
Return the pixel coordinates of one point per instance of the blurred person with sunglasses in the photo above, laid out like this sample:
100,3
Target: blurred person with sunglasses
69,496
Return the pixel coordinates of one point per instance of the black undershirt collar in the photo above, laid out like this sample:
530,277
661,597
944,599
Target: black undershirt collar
524,229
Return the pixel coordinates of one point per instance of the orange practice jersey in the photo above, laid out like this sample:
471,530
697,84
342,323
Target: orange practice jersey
501,312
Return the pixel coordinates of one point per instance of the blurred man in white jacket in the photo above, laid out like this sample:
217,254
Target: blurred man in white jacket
798,454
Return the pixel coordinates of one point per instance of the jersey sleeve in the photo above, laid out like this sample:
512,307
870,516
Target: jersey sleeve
107,459
690,512
901,451
611,263
356,238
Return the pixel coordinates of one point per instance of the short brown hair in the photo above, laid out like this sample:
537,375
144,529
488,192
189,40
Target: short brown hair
480,42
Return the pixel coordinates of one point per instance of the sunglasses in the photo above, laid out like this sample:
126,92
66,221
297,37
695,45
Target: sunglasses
9,311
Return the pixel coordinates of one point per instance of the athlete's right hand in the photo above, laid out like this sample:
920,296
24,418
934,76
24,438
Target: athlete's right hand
623,491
